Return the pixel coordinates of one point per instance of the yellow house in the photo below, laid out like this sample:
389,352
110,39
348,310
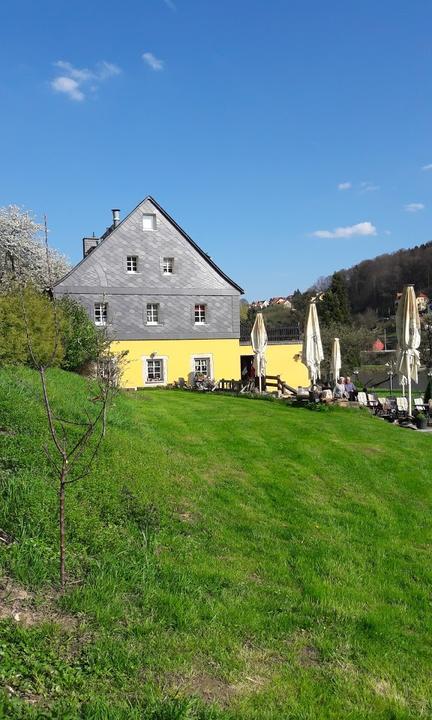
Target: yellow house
164,301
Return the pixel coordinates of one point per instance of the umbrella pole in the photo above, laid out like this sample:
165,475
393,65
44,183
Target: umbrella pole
409,387
259,375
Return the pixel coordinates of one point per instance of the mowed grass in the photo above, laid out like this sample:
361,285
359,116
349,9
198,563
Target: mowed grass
228,559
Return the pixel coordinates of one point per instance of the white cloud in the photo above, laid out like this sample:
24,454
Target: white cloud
68,86
170,4
344,186
152,61
363,228
369,187
75,82
427,167
413,207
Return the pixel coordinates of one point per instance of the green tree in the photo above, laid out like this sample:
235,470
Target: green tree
353,339
334,307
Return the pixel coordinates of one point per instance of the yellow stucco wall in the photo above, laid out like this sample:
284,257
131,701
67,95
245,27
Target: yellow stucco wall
179,355
283,360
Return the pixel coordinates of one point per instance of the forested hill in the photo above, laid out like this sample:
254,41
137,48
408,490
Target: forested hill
374,283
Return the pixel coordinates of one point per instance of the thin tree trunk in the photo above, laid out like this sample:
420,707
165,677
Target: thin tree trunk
62,527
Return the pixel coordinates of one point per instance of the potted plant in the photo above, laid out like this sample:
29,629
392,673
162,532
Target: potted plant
421,421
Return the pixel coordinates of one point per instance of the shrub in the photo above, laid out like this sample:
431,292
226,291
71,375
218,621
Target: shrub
38,310
80,338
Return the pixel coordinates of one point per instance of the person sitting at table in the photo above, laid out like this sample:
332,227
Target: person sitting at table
339,392
350,388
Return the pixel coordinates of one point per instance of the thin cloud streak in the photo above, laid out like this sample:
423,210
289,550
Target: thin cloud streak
369,187
345,186
363,229
414,207
152,61
427,167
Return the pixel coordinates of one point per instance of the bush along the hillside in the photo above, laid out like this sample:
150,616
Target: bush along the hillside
28,317
75,342
81,340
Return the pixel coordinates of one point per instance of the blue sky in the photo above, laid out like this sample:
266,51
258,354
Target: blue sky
288,138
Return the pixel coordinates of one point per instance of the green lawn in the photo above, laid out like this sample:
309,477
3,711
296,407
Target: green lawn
228,559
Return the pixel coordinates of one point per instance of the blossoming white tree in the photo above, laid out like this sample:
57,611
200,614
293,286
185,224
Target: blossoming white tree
21,239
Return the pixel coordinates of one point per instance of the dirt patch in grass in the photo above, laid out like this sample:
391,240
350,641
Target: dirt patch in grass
309,656
208,688
20,605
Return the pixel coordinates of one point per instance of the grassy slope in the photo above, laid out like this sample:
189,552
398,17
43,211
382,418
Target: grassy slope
289,578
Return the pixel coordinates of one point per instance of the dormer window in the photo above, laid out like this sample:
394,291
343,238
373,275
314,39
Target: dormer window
132,264
168,265
149,222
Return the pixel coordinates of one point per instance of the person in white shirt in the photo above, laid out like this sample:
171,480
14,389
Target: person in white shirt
339,391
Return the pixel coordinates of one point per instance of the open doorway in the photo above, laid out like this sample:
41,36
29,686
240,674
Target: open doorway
246,372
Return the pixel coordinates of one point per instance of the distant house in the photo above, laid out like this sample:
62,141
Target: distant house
423,302
378,345
166,302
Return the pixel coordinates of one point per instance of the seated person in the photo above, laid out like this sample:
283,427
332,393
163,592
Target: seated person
339,392
350,388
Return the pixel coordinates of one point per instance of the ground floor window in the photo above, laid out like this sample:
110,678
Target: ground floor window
155,370
202,365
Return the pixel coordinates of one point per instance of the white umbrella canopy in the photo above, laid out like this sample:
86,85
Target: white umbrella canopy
335,361
408,334
259,346
312,346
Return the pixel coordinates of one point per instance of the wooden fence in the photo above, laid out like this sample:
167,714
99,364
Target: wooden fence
269,381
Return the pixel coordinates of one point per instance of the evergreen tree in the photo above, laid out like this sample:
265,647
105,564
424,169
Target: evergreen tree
334,306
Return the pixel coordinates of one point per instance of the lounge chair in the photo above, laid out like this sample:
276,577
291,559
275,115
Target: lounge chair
362,399
420,406
402,408
373,402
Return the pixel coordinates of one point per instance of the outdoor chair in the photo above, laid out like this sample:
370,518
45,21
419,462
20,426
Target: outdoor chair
373,402
362,399
388,409
420,406
402,408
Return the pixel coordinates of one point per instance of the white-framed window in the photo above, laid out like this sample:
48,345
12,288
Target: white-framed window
100,313
149,222
168,265
202,366
155,370
152,313
200,314
132,264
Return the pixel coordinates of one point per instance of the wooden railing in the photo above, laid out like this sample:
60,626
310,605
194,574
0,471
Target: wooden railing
229,385
275,381
269,381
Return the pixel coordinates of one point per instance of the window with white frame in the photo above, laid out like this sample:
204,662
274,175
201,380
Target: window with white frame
149,222
152,313
202,366
168,265
132,263
200,314
100,313
155,370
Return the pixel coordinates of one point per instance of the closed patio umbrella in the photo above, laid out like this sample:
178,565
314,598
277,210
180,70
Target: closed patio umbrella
408,334
335,361
259,346
312,355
